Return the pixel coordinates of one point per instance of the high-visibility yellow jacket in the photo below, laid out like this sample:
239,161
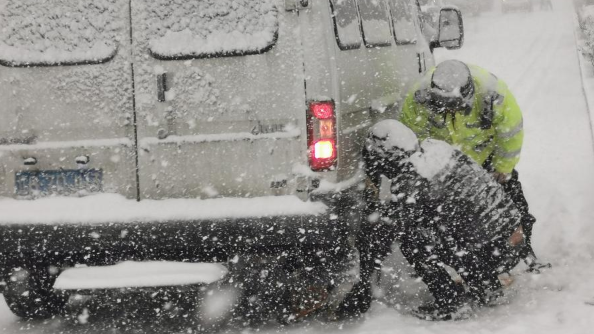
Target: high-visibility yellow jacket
492,128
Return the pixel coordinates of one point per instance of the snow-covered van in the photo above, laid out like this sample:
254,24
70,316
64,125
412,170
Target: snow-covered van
194,131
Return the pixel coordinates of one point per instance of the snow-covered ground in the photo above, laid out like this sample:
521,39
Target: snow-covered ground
535,53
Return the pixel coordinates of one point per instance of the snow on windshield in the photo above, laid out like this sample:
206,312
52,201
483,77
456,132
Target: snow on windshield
55,32
192,29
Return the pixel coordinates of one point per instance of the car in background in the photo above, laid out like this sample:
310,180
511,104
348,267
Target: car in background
467,7
510,5
585,13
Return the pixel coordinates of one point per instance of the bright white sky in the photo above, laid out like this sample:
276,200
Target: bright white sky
535,53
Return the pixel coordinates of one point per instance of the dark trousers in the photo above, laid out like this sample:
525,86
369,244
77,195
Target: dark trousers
513,188
427,253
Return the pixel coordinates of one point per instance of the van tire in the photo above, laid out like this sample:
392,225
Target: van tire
29,294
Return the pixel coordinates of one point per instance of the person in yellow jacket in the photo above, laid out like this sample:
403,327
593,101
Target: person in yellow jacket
472,109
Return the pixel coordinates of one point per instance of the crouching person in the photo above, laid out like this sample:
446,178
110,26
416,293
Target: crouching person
444,210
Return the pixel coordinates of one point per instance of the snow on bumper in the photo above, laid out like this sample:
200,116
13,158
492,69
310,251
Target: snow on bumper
114,208
107,229
132,274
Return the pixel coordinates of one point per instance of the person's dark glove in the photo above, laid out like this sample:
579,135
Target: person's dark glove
501,178
534,266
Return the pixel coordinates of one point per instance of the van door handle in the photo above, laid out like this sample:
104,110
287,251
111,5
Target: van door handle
422,63
30,161
161,86
82,160
291,5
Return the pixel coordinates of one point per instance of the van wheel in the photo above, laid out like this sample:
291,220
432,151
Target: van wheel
30,294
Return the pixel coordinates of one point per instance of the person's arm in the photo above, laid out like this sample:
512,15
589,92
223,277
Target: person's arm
509,134
414,117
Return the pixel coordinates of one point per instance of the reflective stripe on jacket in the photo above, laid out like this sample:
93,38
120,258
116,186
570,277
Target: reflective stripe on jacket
494,130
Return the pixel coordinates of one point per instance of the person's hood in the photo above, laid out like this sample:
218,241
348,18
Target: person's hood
390,137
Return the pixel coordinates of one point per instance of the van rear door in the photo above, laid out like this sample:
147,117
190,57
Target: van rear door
66,120
220,98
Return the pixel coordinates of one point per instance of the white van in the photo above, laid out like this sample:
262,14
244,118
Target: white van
192,131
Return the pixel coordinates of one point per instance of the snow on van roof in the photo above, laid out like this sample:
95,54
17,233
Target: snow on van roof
182,28
52,32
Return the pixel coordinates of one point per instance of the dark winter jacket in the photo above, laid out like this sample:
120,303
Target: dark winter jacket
440,189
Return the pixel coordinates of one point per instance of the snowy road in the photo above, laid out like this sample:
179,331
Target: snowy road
535,53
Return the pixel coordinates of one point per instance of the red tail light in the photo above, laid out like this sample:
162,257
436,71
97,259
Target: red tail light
321,136
322,110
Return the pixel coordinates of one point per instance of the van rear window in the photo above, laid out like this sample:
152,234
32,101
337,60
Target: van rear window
59,32
346,24
185,29
403,19
376,26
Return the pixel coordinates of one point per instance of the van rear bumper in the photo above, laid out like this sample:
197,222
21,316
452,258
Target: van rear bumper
202,231
204,240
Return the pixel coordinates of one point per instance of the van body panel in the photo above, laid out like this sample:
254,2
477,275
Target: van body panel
54,113
229,125
205,131
113,159
185,111
320,71
369,83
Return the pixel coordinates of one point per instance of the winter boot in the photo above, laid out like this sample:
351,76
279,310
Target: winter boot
490,297
485,290
534,266
309,301
450,304
440,311
356,302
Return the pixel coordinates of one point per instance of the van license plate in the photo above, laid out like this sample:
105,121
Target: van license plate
58,182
